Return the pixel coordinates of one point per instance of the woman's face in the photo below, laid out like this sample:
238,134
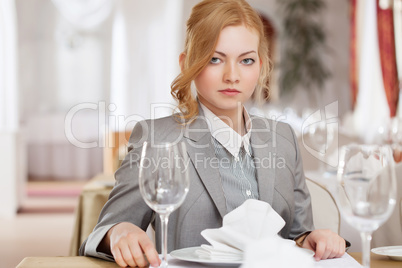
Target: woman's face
232,74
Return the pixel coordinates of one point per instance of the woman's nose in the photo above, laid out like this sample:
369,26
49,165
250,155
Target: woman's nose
231,74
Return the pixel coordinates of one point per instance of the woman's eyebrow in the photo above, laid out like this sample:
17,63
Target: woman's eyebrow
241,55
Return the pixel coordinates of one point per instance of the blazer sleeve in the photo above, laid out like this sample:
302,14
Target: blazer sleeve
125,203
303,218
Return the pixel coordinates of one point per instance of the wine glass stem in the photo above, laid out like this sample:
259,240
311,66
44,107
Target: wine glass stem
366,242
321,164
164,220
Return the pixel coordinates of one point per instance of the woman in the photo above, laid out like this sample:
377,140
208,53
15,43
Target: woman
226,57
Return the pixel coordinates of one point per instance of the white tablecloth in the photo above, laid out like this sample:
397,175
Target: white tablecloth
345,262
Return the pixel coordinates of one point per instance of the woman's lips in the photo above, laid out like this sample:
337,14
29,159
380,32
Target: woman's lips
229,92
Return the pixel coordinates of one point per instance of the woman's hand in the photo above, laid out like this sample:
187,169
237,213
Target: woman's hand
325,243
131,246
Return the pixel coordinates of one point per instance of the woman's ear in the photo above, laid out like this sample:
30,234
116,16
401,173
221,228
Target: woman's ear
182,59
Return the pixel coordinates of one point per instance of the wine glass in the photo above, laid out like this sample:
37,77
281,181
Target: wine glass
366,189
164,182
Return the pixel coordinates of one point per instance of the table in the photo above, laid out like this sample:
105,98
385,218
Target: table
91,201
65,262
377,260
70,262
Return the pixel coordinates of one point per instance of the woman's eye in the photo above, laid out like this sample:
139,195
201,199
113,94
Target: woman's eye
215,60
248,61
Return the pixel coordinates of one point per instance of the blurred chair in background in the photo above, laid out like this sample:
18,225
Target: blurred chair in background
325,211
115,150
390,233
93,197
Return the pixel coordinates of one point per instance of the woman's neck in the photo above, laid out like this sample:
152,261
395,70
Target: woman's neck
234,118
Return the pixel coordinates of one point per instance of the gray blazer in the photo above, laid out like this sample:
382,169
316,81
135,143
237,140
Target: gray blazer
279,172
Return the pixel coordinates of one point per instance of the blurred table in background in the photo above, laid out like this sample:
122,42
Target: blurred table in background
91,201
63,151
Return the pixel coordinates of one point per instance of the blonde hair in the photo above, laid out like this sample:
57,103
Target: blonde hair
204,26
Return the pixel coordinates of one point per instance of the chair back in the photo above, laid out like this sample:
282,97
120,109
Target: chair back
390,233
115,150
325,211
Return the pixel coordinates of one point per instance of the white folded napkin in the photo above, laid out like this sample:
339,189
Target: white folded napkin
252,221
372,165
276,252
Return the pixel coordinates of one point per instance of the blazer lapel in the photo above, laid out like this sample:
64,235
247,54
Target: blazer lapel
201,152
262,142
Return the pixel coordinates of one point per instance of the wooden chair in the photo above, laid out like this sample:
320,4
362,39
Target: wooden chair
115,150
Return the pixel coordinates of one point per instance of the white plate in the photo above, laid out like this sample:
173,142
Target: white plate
189,254
394,252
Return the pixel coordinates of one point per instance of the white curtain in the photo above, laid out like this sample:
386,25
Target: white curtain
146,45
372,109
398,47
12,171
8,60
85,15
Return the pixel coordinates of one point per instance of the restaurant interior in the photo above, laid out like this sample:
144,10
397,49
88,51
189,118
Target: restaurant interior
76,76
